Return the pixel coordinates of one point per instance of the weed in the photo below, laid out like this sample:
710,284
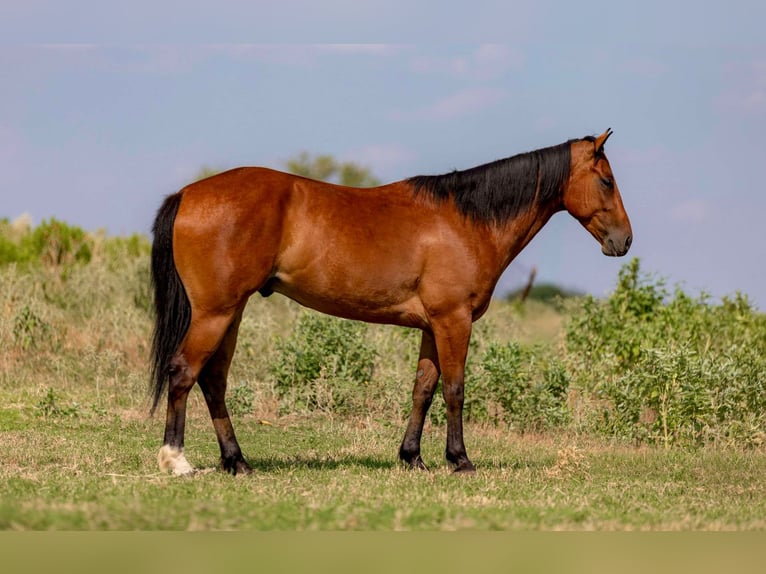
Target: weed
30,331
51,406
670,368
240,399
323,363
529,388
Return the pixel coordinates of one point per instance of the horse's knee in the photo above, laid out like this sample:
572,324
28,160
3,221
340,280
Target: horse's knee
454,393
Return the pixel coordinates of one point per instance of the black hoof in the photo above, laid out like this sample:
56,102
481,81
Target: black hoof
416,464
465,467
461,463
236,465
413,461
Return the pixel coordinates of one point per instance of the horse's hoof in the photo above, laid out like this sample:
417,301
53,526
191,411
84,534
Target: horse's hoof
465,467
418,464
172,459
236,465
414,462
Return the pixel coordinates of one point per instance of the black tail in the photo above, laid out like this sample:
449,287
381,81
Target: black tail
171,304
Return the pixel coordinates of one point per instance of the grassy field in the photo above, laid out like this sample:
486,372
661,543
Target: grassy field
634,440
99,473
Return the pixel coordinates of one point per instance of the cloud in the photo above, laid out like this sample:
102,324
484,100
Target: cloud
381,158
546,123
301,54
745,91
644,157
486,62
360,49
462,103
692,211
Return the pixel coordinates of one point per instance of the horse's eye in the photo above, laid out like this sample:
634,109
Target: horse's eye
607,182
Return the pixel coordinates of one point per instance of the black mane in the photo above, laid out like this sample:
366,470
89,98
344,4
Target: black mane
497,191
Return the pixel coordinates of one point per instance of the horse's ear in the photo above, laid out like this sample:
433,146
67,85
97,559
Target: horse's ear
601,140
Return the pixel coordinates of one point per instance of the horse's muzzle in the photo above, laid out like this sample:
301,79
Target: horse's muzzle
616,246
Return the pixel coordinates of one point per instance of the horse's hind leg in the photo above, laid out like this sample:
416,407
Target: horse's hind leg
203,339
422,394
212,381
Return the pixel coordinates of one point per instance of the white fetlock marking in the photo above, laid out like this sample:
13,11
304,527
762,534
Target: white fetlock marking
172,459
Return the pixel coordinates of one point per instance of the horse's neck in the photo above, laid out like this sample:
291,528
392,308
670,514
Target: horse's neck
516,234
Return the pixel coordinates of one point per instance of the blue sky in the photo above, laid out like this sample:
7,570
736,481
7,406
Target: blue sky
106,109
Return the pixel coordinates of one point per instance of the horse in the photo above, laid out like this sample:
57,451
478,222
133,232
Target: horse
425,252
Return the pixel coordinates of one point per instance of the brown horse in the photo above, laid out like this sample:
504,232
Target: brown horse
425,252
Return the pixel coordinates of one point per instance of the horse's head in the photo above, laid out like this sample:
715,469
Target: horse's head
592,197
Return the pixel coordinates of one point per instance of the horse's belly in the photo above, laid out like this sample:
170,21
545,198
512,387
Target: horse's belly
396,306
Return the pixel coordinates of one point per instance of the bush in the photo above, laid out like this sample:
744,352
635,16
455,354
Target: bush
519,386
54,243
57,243
670,368
324,364
30,331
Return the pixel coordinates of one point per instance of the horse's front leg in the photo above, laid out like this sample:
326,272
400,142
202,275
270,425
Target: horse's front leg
452,335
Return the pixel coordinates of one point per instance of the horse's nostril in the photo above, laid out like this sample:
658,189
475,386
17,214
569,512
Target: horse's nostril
628,241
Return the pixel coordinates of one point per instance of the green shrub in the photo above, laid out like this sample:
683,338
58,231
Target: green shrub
669,368
13,248
51,405
30,331
519,386
241,399
324,364
57,243
9,251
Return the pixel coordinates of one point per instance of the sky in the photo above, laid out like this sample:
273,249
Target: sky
105,109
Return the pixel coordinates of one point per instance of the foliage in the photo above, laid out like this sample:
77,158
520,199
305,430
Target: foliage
648,365
670,368
51,405
29,329
327,168
56,244
323,363
519,386
206,171
322,167
240,399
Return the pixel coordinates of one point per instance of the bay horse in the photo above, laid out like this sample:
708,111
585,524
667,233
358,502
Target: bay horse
425,252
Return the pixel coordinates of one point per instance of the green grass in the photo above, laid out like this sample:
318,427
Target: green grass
99,473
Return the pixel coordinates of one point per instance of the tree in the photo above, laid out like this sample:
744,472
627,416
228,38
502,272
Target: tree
322,167
326,168
206,171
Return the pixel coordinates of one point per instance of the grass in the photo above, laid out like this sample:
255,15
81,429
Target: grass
99,473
